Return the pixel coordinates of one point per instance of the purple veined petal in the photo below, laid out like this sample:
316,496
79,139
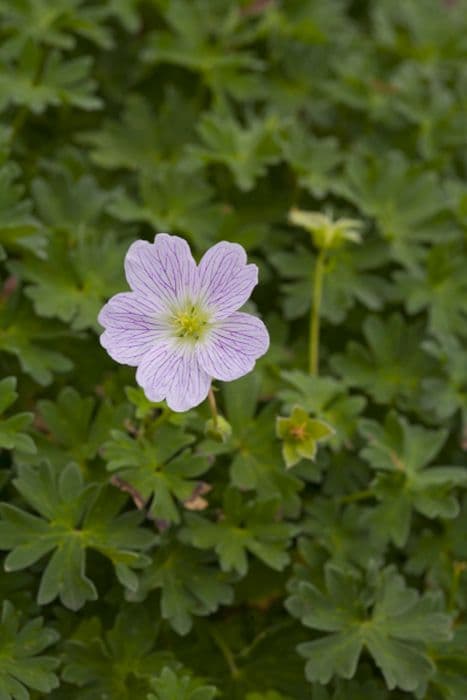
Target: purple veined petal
226,281
233,346
171,371
131,327
164,272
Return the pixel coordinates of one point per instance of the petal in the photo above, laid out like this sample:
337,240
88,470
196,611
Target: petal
226,281
164,271
171,371
233,346
131,327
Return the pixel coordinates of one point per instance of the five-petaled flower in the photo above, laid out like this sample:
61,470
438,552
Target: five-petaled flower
180,324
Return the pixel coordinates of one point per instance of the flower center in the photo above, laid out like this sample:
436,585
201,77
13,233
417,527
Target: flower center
190,323
299,432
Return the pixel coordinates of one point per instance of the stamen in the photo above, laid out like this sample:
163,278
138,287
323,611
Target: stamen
190,323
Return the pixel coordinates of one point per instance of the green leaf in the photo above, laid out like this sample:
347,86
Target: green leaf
345,533
450,679
11,429
256,459
401,452
245,150
73,283
75,427
350,278
36,83
439,286
392,366
313,160
244,527
446,393
27,338
39,22
197,39
23,667
71,518
173,200
19,229
119,662
169,685
63,186
143,139
159,467
384,616
406,200
189,583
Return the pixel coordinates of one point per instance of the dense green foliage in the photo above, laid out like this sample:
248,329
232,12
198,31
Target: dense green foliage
319,551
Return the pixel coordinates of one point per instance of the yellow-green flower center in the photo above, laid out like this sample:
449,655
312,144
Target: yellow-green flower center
190,323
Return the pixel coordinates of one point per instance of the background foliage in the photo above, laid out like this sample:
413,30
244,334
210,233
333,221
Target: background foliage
142,559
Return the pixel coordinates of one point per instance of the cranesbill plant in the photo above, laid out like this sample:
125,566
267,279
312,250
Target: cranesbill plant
180,324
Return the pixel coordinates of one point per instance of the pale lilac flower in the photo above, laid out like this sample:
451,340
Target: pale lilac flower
180,325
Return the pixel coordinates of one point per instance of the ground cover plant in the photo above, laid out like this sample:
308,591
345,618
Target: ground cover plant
302,532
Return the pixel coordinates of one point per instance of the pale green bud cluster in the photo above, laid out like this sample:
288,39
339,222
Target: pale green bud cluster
325,232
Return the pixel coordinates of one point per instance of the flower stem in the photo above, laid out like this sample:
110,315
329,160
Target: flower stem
226,653
213,407
357,496
315,311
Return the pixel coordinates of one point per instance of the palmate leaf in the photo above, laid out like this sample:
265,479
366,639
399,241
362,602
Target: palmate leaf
385,617
30,340
190,585
350,278
313,160
439,286
211,40
23,667
436,107
11,429
174,200
36,83
63,187
417,30
72,518
19,229
143,139
170,685
118,663
401,453
406,200
450,679
344,533
158,466
246,150
256,454
38,21
244,527
74,281
440,557
74,428
392,366
447,393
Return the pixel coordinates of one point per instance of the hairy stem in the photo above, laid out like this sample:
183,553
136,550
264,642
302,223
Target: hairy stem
213,407
226,653
317,292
